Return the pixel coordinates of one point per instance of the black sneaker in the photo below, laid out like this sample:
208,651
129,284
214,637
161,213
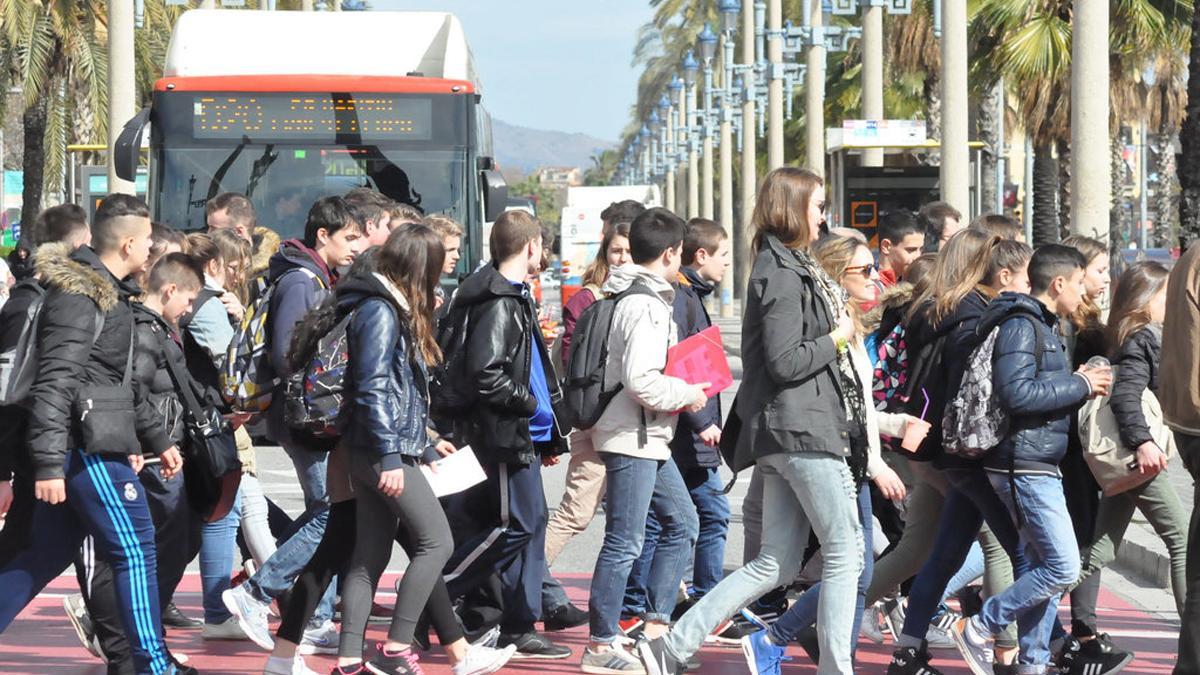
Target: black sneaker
173,618
398,663
1097,656
532,645
911,661
562,618
742,624
1004,669
770,607
810,643
970,600
656,658
682,607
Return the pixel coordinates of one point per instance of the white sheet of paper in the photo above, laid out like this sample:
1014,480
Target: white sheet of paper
455,473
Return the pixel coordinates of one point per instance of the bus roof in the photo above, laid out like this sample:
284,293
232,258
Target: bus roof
227,44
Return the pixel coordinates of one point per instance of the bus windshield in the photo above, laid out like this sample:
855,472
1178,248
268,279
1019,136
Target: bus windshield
284,180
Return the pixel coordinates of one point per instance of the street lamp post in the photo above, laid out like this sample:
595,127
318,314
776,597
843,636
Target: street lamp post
814,89
1091,180
690,68
681,141
775,87
729,16
749,178
955,168
708,49
120,84
668,150
872,73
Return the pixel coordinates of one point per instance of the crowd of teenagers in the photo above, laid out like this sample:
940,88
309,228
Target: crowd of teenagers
946,407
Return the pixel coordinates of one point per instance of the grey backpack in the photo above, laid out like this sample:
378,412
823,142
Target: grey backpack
19,363
974,421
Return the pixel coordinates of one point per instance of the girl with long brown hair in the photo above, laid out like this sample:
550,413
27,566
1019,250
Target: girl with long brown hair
802,420
1134,333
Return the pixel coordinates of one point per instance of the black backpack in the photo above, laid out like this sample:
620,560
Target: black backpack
447,395
584,394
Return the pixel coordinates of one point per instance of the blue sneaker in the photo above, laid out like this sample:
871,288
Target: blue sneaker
762,657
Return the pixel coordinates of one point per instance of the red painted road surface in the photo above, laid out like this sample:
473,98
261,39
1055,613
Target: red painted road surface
41,641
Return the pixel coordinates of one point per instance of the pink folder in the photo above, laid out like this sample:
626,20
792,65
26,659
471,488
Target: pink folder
701,358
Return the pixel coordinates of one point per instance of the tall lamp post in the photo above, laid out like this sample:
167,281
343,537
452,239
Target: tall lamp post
681,134
668,150
690,69
707,43
729,17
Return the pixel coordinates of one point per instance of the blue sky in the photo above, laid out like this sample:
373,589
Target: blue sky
551,64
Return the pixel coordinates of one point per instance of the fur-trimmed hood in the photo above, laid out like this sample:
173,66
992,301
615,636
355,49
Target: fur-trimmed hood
891,298
79,272
266,244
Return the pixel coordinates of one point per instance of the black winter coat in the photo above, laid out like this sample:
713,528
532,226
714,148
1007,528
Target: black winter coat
502,326
14,420
76,286
1040,401
1137,370
690,315
156,343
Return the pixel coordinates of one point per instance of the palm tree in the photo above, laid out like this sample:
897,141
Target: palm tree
1189,140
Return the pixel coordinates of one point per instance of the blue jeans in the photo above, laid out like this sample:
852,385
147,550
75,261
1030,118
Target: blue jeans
217,543
636,487
803,613
279,572
708,567
1053,556
970,500
801,491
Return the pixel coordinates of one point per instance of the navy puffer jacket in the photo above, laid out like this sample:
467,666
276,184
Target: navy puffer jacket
1040,400
387,377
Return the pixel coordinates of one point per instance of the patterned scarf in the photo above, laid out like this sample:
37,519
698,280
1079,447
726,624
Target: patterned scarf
836,298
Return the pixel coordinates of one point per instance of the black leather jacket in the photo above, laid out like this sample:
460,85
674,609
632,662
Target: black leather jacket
155,344
502,326
1137,371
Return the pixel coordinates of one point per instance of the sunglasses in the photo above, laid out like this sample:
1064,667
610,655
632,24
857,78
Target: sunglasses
865,270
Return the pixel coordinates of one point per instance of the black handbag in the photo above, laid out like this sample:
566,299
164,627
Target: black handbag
107,413
213,471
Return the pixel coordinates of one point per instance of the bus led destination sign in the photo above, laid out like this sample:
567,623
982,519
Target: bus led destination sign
369,117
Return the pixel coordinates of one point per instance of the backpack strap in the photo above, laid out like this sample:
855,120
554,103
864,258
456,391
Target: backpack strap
202,298
1038,352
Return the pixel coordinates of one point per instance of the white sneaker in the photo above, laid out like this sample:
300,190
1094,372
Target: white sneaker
251,615
294,666
81,621
226,630
482,660
320,640
871,628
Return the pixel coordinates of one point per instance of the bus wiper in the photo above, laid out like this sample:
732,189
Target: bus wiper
214,187
260,168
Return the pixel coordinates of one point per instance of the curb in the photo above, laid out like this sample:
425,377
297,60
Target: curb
1144,554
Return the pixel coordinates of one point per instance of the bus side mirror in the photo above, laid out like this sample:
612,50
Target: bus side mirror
128,148
495,195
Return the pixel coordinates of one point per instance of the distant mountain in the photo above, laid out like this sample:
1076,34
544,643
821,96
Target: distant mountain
527,149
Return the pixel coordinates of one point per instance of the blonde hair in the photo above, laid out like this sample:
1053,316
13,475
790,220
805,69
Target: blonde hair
962,267
781,209
444,226
833,254
236,252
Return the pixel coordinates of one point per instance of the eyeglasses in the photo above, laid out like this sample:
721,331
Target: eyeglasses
865,270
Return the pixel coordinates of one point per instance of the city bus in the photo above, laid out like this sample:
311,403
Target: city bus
287,107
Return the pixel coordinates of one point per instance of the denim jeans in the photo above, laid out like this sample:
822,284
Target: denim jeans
970,500
635,487
801,491
708,565
803,612
256,528
1052,553
279,572
217,544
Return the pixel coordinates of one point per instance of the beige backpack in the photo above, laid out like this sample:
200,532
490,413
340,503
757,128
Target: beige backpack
1106,455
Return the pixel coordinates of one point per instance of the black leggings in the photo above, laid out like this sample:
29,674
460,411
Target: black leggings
332,558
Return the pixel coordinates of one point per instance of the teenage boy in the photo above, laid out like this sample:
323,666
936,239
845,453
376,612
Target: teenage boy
66,223
1035,386
706,253
901,239
373,211
633,438
512,428
85,338
941,221
302,274
171,287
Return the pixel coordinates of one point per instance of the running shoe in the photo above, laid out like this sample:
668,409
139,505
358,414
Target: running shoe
656,659
292,666
321,639
533,645
81,621
611,660
974,645
481,660
251,615
911,661
762,656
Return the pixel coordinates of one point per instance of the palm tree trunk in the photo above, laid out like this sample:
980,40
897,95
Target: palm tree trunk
1120,224
1165,187
1064,188
933,114
1045,191
989,133
1189,140
34,121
